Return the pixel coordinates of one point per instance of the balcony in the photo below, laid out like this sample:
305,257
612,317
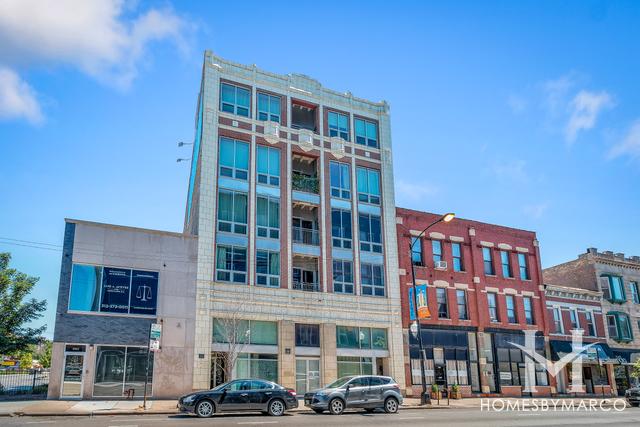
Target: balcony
307,287
305,274
306,236
306,183
304,174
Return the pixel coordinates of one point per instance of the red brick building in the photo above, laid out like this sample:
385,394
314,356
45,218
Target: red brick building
483,286
573,309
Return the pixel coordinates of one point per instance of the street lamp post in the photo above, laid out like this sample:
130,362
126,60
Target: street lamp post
424,397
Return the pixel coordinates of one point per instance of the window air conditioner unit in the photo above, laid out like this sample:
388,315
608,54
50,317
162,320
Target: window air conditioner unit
441,265
272,132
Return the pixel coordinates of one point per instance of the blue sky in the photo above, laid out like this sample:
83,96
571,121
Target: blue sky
525,114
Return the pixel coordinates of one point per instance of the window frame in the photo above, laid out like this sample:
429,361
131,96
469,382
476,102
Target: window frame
437,255
635,292
339,132
491,271
512,312
528,310
462,293
442,301
234,225
232,272
558,322
340,191
270,232
591,327
236,171
523,266
416,251
268,113
459,267
574,319
272,280
367,196
373,286
365,139
505,263
343,283
234,105
342,241
494,314
367,244
311,333
271,180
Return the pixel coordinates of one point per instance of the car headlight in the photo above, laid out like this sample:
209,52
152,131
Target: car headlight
321,394
189,399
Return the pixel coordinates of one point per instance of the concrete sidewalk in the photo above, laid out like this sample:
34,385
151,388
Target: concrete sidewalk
133,407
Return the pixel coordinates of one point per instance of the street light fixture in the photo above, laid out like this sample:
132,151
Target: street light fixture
182,160
180,144
424,397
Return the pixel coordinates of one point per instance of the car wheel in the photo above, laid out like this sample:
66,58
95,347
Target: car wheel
318,411
336,406
391,405
276,407
205,409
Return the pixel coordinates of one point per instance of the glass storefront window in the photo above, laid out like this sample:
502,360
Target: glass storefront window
364,337
257,332
347,336
259,366
119,369
265,333
350,365
379,338
85,287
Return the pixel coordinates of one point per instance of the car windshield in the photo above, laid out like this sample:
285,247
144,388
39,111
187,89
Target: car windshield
339,382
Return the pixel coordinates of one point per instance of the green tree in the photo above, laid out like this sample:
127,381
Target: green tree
43,353
15,311
636,369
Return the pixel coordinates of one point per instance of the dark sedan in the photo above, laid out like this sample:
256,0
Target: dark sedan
240,395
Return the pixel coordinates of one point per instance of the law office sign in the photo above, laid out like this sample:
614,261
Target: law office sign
155,333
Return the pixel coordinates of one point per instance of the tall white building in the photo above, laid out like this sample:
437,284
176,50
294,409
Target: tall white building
291,198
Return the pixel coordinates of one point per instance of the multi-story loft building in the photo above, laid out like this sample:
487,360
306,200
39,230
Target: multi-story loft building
291,199
570,310
483,286
289,239
618,279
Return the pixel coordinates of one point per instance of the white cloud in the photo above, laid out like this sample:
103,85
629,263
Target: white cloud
585,108
630,144
93,36
17,98
536,211
556,92
414,192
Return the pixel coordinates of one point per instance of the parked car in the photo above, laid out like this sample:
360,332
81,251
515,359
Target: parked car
369,392
240,395
633,396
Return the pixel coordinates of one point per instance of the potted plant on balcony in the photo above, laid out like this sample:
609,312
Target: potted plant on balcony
455,392
435,392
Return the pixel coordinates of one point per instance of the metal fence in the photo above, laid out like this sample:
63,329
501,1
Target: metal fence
24,382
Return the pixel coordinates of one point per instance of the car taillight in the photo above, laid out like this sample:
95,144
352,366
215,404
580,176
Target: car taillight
291,392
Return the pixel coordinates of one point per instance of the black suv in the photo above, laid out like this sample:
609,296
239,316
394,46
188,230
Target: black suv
240,395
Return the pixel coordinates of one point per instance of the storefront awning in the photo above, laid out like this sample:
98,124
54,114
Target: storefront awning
598,353
624,356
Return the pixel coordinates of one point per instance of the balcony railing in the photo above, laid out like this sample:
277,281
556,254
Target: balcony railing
304,286
305,183
306,236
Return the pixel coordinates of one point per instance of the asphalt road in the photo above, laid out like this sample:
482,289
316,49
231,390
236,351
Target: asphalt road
407,417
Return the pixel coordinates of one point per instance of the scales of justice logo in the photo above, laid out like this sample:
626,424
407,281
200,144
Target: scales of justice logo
144,293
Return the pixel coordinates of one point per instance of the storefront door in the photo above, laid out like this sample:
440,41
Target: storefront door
588,379
307,374
622,379
440,376
72,375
